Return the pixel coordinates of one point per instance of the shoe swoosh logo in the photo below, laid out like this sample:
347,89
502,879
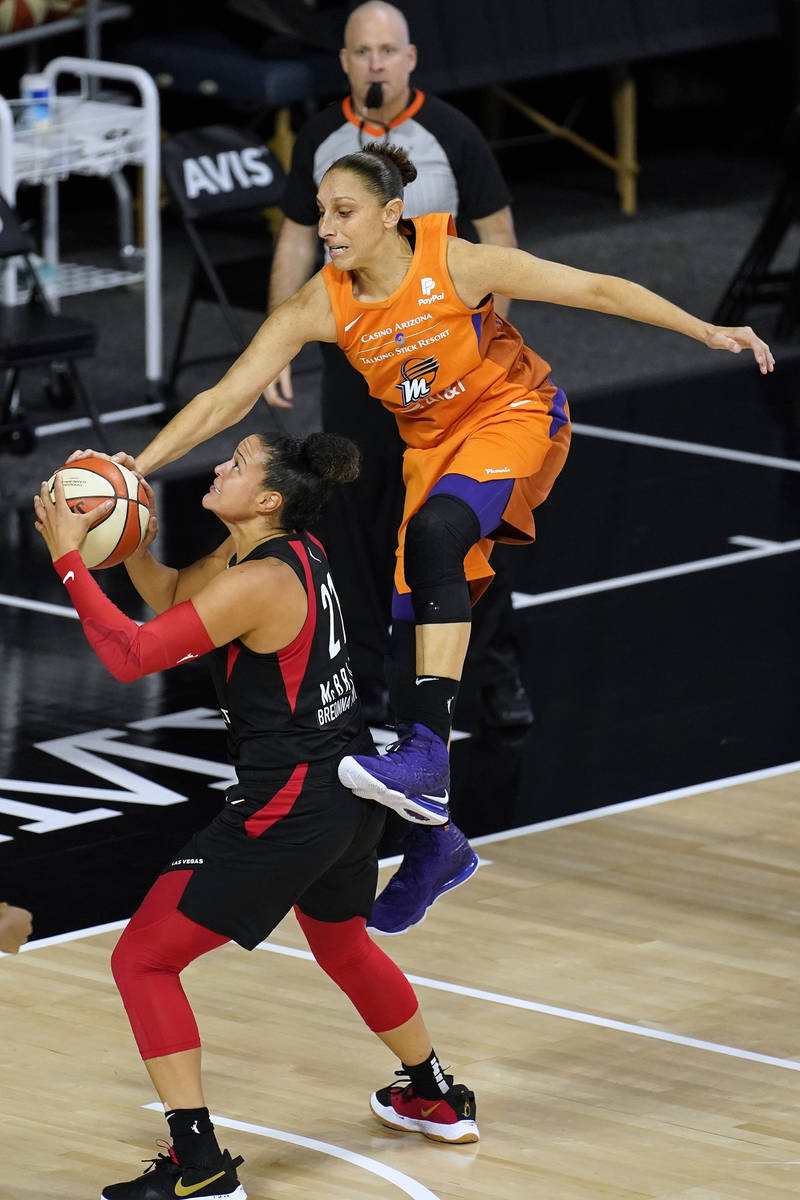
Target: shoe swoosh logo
438,799
426,1112
181,1190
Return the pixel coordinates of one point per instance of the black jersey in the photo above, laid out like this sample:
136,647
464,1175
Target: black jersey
298,705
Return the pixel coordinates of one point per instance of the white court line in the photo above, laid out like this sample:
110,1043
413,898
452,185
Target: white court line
107,418
697,789
54,610
741,539
410,1186
769,550
531,1005
569,1014
662,443
757,549
487,839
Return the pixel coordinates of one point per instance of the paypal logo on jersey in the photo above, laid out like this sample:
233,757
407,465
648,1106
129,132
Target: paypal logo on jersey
427,285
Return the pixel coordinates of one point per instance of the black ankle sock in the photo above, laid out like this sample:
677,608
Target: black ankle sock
193,1137
434,703
428,1078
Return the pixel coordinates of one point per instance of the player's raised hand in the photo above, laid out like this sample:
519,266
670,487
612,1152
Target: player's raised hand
127,460
16,926
736,339
61,528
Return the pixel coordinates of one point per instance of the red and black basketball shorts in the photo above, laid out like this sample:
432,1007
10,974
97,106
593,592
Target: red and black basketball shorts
299,838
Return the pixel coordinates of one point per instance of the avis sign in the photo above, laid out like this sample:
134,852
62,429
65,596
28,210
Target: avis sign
226,172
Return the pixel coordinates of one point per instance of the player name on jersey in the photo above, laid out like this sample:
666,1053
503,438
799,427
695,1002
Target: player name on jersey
337,694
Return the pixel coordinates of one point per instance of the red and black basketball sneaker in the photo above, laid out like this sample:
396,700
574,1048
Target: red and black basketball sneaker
449,1117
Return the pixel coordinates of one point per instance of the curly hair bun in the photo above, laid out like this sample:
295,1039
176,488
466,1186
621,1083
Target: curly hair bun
332,458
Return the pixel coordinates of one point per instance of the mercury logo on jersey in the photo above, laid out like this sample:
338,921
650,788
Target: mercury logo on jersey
417,376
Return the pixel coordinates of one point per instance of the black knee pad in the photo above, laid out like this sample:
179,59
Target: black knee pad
437,539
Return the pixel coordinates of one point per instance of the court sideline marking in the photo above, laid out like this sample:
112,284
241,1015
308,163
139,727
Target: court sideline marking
531,1005
596,431
758,548
762,549
569,1014
705,451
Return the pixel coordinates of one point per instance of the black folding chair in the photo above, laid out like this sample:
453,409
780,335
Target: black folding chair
757,280
32,335
221,180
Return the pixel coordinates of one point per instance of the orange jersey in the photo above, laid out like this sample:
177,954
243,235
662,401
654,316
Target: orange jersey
429,358
469,396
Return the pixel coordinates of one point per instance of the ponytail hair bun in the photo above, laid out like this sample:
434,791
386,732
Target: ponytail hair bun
383,170
304,471
334,459
396,155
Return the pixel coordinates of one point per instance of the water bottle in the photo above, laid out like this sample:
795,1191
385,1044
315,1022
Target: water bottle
35,91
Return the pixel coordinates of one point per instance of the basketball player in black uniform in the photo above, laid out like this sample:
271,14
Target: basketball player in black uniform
264,608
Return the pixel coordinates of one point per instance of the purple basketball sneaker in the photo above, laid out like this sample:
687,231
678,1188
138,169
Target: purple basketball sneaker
412,777
434,861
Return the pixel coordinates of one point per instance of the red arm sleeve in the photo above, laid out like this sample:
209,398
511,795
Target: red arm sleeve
127,649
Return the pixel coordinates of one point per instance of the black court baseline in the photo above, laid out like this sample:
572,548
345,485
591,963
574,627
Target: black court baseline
657,621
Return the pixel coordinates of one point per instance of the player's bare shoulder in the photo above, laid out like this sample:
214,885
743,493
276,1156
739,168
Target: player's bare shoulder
479,268
473,268
309,311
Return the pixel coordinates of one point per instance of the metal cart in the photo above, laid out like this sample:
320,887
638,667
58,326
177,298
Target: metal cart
89,136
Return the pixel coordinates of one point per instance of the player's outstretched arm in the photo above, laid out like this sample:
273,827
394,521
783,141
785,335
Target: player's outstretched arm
476,270
305,317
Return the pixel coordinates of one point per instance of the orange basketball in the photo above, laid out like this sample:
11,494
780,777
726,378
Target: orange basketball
22,14
89,482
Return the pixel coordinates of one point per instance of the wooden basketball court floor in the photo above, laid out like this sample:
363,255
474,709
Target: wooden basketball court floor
619,988
617,983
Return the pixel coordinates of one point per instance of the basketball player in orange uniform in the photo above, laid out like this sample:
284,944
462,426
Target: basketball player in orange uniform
486,430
